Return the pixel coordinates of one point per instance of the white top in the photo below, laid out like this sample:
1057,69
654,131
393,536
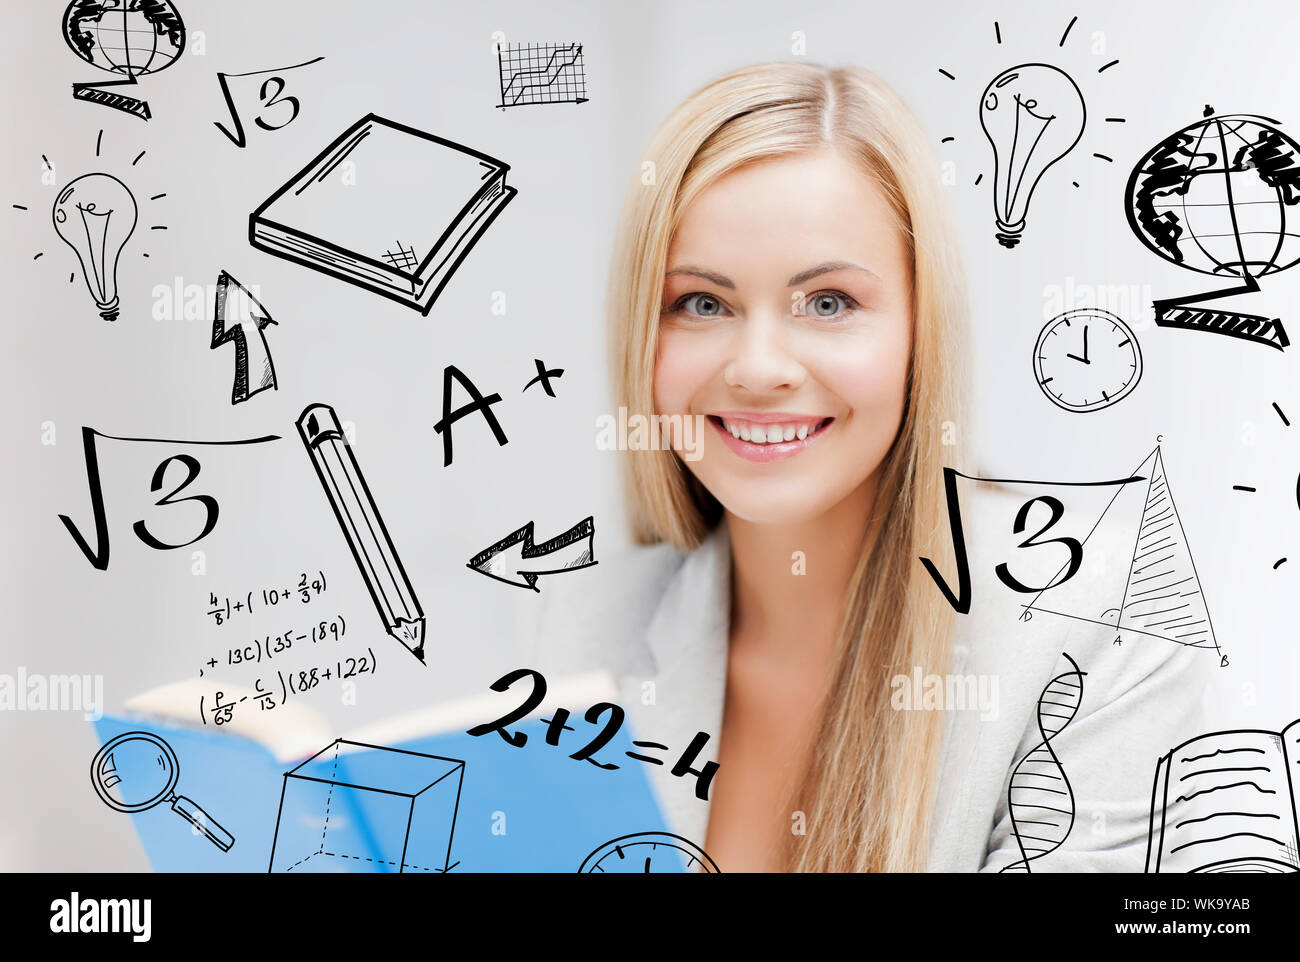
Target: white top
657,620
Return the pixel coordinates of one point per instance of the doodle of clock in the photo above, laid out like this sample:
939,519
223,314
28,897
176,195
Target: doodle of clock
1086,360
649,852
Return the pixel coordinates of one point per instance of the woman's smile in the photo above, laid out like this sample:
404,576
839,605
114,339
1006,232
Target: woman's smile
768,437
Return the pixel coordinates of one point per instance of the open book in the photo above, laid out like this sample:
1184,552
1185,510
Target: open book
415,793
1226,802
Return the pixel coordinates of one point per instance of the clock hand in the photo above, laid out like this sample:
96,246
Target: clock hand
1076,357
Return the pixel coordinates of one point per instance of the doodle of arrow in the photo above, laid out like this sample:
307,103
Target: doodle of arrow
245,326
517,561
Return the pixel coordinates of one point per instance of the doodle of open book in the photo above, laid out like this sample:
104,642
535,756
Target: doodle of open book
1161,597
385,207
1226,802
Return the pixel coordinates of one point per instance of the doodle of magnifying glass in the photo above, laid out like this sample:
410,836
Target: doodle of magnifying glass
136,771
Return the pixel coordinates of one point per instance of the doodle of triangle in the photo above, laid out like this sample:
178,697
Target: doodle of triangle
1162,596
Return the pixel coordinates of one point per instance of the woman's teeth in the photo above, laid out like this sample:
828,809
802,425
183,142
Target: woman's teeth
769,433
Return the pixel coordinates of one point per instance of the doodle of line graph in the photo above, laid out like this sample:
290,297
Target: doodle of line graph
541,73
1042,813
1162,596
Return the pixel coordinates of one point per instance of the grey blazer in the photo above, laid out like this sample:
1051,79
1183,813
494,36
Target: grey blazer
657,620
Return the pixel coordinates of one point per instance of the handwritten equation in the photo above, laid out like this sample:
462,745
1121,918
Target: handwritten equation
286,684
613,715
98,552
268,97
268,646
308,588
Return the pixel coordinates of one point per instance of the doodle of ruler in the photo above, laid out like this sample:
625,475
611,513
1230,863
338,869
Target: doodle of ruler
1039,797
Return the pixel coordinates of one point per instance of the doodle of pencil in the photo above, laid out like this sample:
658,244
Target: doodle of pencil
354,507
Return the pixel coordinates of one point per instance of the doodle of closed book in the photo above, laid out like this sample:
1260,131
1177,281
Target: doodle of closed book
385,207
1226,802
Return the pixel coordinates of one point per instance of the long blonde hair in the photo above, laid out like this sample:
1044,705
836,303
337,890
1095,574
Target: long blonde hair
869,786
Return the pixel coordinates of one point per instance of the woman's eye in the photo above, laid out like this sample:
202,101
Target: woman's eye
827,304
700,305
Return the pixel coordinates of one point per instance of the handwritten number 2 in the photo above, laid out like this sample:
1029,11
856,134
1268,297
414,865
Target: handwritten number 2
603,737
530,704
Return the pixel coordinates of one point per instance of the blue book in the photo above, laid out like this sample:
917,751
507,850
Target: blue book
389,798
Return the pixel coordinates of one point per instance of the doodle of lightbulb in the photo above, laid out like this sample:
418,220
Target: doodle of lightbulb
96,215
1027,113
1033,115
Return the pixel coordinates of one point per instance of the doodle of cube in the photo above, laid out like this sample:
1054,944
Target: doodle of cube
353,807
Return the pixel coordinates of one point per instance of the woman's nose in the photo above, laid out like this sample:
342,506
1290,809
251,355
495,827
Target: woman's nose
762,357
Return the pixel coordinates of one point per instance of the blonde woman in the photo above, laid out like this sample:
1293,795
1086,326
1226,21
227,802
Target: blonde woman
787,278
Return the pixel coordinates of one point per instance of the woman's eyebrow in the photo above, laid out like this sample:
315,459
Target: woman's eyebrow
826,268
707,275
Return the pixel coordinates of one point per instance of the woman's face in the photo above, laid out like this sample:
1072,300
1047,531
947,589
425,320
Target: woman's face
786,321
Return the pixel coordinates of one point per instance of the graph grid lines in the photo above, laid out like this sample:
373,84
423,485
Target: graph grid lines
541,73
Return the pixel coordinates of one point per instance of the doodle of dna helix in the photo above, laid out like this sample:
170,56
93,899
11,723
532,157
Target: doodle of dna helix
1039,798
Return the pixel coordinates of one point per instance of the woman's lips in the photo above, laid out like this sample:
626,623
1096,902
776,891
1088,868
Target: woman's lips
767,451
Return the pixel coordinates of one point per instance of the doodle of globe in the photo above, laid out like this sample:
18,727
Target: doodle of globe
1213,197
130,37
